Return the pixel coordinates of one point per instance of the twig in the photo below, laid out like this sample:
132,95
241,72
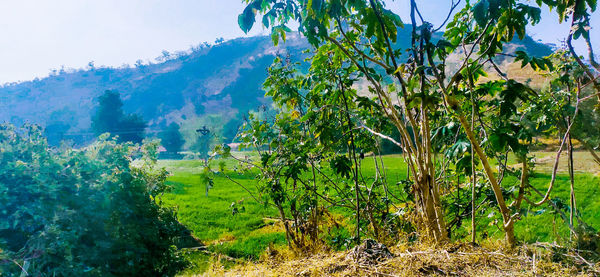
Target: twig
364,268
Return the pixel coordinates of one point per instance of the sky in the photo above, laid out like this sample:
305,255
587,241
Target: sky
37,36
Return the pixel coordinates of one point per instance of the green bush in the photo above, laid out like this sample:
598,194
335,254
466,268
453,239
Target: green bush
85,212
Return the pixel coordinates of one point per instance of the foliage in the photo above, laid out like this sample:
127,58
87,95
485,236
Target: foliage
110,118
171,138
83,212
222,79
435,108
202,145
311,154
55,132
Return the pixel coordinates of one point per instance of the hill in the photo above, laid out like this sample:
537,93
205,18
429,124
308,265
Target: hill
206,85
224,79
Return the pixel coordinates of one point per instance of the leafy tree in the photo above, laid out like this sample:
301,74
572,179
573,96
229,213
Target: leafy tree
131,129
202,145
171,138
55,132
310,152
231,129
83,212
109,113
561,110
59,123
110,118
417,91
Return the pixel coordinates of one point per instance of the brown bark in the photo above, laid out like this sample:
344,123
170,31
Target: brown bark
508,221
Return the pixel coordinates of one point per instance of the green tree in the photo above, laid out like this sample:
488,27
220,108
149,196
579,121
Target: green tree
231,128
202,145
110,118
418,90
311,153
57,126
108,114
171,138
55,132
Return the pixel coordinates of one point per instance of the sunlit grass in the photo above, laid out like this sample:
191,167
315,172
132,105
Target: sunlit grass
248,233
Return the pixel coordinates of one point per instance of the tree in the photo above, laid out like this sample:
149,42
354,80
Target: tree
311,153
171,138
131,128
202,145
418,90
110,118
109,113
59,122
231,128
55,132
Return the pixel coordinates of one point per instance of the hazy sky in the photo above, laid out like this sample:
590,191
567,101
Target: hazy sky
39,35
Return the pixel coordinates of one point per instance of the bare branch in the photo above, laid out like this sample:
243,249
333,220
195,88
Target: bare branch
558,153
585,68
453,6
382,136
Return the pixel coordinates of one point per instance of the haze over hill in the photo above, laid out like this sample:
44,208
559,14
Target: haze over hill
208,85
223,79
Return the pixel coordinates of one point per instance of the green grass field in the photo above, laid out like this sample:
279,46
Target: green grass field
248,233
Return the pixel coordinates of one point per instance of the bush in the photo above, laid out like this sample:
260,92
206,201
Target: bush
83,212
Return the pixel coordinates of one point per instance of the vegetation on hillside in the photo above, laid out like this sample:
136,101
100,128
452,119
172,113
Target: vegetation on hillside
220,81
110,118
172,139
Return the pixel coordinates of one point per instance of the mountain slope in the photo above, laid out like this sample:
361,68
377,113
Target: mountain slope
221,79
204,86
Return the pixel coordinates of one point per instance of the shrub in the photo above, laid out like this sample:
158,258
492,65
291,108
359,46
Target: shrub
83,212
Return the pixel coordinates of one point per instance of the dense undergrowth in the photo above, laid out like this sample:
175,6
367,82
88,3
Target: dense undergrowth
86,212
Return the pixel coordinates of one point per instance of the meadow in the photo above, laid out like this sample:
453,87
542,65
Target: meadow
230,222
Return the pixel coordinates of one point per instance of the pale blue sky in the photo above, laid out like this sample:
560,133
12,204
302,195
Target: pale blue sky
39,35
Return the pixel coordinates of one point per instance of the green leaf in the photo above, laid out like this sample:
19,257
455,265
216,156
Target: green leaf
442,43
592,4
341,165
480,12
247,18
275,38
523,57
315,5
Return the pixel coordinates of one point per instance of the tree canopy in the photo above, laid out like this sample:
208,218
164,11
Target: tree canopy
450,120
110,118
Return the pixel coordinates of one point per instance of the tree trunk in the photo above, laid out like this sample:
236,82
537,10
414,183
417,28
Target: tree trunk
508,222
473,183
432,212
572,208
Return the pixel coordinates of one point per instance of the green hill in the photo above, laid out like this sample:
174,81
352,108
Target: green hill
206,85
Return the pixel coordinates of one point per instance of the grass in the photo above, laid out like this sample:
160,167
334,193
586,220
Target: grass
210,217
417,260
248,233
545,224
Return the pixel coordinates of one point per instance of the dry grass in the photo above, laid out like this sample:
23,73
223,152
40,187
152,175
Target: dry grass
582,162
413,260
525,75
